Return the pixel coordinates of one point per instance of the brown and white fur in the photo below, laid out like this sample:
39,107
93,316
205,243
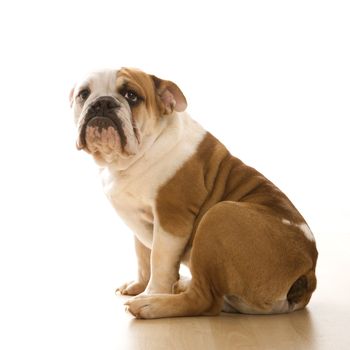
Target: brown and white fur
188,200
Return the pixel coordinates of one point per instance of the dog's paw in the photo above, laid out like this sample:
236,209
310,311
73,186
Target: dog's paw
131,288
144,306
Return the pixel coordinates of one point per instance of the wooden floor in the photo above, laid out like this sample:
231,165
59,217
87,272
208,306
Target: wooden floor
319,327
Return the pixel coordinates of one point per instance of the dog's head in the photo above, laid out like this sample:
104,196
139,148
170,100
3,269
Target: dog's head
116,112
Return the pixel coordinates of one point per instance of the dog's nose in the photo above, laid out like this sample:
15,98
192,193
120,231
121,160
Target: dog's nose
103,105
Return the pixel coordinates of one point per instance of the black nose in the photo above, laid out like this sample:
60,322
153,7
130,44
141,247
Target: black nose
103,105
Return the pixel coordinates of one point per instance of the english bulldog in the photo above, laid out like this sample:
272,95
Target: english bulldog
188,200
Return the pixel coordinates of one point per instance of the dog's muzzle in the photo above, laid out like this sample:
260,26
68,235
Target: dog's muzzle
101,114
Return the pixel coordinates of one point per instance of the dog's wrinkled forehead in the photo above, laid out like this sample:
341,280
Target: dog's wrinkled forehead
110,80
104,82
100,83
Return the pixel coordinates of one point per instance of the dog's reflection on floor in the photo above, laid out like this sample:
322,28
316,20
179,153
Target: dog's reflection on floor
227,331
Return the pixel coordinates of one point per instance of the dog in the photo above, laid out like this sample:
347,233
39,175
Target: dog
188,200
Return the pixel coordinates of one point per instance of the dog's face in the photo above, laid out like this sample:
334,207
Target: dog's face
118,112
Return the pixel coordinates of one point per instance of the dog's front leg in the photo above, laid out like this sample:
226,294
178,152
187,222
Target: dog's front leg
167,250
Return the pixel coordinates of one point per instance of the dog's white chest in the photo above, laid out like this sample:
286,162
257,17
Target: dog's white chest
133,204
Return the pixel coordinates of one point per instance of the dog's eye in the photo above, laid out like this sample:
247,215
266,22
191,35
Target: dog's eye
84,94
131,96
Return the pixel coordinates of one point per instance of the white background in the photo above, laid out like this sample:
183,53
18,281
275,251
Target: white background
270,79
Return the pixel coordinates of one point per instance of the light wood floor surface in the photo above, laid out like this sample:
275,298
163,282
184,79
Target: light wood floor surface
319,327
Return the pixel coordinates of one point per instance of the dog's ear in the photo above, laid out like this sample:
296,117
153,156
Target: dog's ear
71,95
170,95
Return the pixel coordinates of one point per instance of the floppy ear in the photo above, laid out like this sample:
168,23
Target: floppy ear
170,95
71,94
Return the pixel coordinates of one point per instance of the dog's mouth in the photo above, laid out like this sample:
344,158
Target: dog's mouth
100,125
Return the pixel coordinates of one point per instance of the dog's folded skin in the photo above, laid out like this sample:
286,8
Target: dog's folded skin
188,200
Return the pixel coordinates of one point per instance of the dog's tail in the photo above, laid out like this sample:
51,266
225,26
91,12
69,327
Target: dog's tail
301,290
